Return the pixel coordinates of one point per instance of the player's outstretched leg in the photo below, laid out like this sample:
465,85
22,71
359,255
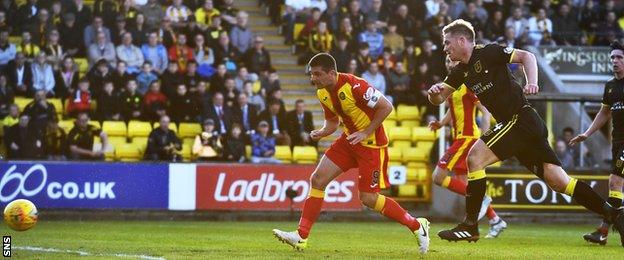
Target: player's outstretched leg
324,173
457,184
615,200
479,157
559,181
391,209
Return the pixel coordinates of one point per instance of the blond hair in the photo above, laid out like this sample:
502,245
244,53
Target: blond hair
460,27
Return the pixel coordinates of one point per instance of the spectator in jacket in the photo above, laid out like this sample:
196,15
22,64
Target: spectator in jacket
163,144
91,32
181,53
258,59
240,35
207,145
66,78
81,138
55,142
130,54
145,78
109,104
43,76
7,50
102,48
155,53
40,111
80,100
235,145
263,145
277,122
20,75
374,39
300,123
131,102
23,141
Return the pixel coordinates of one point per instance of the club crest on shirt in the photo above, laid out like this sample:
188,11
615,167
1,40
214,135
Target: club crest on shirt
477,66
342,96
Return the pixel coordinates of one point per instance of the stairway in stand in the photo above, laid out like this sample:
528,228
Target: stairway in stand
295,84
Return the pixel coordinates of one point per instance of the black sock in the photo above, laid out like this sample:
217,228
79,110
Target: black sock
586,196
615,203
474,197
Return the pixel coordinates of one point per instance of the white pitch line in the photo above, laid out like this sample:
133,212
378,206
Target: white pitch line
82,253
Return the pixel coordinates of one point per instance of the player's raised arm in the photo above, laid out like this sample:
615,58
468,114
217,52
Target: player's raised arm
329,127
439,92
603,116
529,63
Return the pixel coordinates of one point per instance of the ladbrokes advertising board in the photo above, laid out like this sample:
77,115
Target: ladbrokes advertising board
263,187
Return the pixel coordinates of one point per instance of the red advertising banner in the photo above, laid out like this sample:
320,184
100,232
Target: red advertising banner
263,187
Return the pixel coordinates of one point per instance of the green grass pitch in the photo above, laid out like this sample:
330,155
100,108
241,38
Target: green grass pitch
232,240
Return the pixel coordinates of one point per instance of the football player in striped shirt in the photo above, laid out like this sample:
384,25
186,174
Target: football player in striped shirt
364,145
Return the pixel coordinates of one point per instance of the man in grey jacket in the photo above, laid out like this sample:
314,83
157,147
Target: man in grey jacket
129,53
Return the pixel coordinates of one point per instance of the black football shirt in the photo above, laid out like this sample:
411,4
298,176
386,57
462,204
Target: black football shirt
613,97
488,77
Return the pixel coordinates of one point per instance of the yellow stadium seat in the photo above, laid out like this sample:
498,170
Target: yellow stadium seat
423,133
248,151
297,30
188,142
189,130
414,154
407,190
400,133
117,140
115,128
425,145
407,113
140,142
172,126
127,152
410,123
402,144
283,153
422,175
389,123
22,102
139,129
417,165
395,163
58,105
186,152
395,154
83,65
392,115
305,154
67,125
412,174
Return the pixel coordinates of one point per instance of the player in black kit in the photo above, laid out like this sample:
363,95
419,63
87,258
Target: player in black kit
520,133
612,108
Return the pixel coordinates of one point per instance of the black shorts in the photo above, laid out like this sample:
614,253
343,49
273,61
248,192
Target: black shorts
617,164
524,136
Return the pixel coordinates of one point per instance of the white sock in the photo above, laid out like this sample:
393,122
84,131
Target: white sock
494,220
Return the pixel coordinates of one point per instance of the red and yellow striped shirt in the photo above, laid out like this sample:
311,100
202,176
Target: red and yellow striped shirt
463,108
352,99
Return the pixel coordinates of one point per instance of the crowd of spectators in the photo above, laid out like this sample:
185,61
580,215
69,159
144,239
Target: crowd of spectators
396,45
166,62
